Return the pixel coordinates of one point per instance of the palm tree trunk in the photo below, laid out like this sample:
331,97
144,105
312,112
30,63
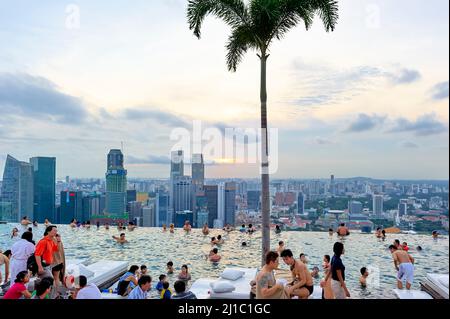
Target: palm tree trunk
265,212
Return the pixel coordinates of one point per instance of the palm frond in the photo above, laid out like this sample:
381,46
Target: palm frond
233,12
328,11
241,39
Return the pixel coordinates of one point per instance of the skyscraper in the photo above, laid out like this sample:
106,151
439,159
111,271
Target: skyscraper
116,185
71,206
44,188
301,203
17,188
377,205
162,207
253,200
230,203
176,169
211,194
198,171
149,214
219,222
182,193
403,207
332,186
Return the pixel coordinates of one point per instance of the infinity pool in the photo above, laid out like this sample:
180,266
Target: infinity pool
152,247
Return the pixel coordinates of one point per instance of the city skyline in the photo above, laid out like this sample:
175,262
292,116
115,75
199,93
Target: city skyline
69,88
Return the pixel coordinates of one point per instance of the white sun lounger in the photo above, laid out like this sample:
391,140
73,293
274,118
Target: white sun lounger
411,294
202,289
439,283
99,273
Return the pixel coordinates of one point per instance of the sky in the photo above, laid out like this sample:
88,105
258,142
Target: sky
369,99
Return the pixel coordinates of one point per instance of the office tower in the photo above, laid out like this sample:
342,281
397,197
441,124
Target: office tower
230,203
176,170
332,186
201,205
135,211
314,188
198,172
149,214
182,193
71,206
219,222
182,216
201,218
301,203
131,195
162,207
44,188
116,185
377,205
253,200
17,188
211,194
403,207
355,207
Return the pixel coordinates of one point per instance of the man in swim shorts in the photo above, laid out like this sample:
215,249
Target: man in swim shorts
302,284
403,262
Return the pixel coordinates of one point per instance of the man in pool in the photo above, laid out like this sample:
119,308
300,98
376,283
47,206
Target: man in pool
343,230
170,267
302,284
397,244
280,247
187,226
214,255
435,234
121,239
403,262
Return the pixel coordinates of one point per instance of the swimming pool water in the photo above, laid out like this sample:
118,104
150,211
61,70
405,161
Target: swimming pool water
152,247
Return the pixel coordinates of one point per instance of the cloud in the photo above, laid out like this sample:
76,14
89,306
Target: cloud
440,91
323,141
425,125
405,76
326,86
365,122
151,159
409,144
36,97
165,118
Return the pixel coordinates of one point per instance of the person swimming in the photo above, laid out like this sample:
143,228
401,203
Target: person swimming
343,230
330,231
220,240
378,233
184,274
363,278
214,241
187,226
164,228
121,239
131,226
172,228
214,255
73,223
277,229
205,229
244,244
242,229
169,266
435,234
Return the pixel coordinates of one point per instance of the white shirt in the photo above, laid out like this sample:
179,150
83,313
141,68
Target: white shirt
90,291
22,249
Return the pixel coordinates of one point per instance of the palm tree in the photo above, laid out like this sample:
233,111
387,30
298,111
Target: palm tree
254,25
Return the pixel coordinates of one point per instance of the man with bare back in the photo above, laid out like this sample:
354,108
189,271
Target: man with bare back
302,284
403,262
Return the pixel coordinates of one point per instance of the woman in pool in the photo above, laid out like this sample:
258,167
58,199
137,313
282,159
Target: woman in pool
15,233
214,255
172,228
164,228
205,229
73,223
128,281
184,274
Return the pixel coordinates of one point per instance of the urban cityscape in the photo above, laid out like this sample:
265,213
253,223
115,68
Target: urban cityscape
31,189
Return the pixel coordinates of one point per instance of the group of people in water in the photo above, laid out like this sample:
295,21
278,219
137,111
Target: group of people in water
44,264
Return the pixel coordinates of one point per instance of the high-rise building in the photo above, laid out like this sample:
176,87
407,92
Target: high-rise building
182,216
377,205
198,172
116,185
71,206
230,203
135,212
211,194
176,170
219,223
253,200
162,207
149,214
17,188
355,207
403,207
182,193
201,218
301,203
44,188
131,195
332,186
